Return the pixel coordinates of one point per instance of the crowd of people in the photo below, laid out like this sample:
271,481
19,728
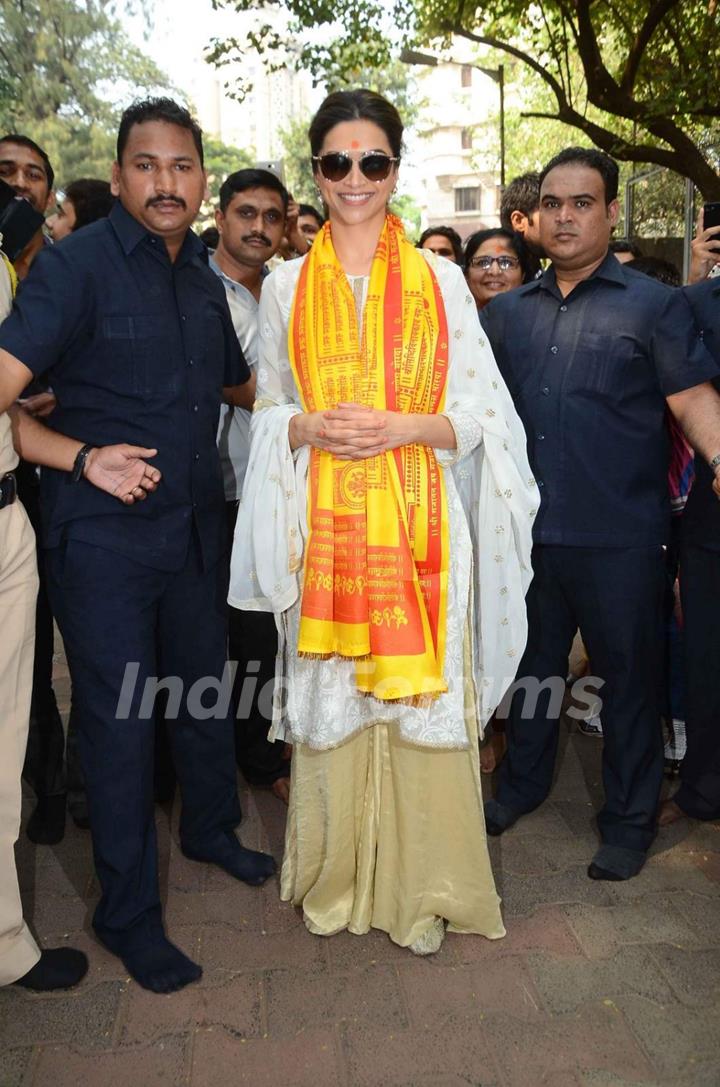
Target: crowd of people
364,500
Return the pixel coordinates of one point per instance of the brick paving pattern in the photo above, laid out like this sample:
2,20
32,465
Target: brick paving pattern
595,985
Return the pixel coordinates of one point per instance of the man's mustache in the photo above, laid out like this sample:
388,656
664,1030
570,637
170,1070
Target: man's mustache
257,238
165,200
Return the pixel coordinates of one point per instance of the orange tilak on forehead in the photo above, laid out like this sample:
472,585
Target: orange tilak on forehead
354,144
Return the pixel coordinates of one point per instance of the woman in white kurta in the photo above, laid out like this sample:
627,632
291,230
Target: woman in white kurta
385,827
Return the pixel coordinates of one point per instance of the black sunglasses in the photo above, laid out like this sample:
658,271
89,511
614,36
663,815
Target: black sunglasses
374,165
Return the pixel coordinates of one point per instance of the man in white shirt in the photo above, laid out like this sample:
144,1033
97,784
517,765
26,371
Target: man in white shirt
251,220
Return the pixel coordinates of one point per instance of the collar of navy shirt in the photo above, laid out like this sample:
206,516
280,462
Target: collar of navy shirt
609,269
130,233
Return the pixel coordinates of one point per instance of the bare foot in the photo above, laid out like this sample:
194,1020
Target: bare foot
281,789
670,813
493,752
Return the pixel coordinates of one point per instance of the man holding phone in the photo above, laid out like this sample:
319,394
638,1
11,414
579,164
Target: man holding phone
705,247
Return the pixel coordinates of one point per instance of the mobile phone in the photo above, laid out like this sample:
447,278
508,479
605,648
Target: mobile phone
18,222
275,166
711,215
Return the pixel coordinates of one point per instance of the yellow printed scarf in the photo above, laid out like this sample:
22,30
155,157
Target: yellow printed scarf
376,561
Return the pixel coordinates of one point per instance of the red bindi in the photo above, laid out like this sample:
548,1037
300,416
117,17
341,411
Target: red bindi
354,144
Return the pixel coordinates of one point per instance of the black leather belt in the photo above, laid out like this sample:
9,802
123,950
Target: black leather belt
8,490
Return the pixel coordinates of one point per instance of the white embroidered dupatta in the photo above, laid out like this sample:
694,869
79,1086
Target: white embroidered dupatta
489,469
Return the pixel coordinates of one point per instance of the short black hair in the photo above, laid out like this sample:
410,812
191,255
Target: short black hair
657,268
512,237
308,209
594,160
158,109
210,236
91,199
445,232
625,245
359,105
251,178
522,194
25,141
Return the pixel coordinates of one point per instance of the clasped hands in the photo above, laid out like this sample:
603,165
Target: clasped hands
352,431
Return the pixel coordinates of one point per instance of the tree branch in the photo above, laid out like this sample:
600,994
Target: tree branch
519,54
654,17
682,156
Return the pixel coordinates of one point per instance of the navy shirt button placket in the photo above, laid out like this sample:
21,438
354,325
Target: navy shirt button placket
554,349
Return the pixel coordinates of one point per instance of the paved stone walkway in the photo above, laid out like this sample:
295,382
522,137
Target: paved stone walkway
595,985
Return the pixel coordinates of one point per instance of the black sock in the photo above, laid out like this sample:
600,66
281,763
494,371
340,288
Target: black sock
160,966
615,862
245,864
46,825
57,968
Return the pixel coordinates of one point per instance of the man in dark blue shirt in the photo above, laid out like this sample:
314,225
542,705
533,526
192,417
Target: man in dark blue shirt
699,792
590,369
135,334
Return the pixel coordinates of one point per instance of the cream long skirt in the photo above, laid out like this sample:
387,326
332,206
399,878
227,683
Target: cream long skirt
386,834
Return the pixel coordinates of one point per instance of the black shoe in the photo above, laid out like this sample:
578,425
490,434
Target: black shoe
46,825
498,818
57,968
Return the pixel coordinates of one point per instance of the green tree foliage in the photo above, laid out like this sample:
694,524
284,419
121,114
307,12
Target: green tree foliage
63,57
220,160
66,70
637,77
296,159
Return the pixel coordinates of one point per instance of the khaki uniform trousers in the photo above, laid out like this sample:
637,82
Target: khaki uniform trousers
18,590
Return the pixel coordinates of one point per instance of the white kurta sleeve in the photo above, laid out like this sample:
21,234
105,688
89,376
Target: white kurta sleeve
267,548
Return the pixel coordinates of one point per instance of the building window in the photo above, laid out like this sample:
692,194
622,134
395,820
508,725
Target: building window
466,76
466,139
467,199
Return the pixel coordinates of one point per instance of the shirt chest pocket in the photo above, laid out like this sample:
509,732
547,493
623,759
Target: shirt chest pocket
602,364
140,358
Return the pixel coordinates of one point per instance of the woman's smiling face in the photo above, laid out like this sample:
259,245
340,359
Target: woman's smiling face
355,200
486,283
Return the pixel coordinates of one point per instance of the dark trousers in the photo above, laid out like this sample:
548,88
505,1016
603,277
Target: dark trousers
45,767
253,644
615,597
699,793
113,612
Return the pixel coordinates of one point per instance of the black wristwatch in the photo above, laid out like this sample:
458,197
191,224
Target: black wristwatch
79,464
